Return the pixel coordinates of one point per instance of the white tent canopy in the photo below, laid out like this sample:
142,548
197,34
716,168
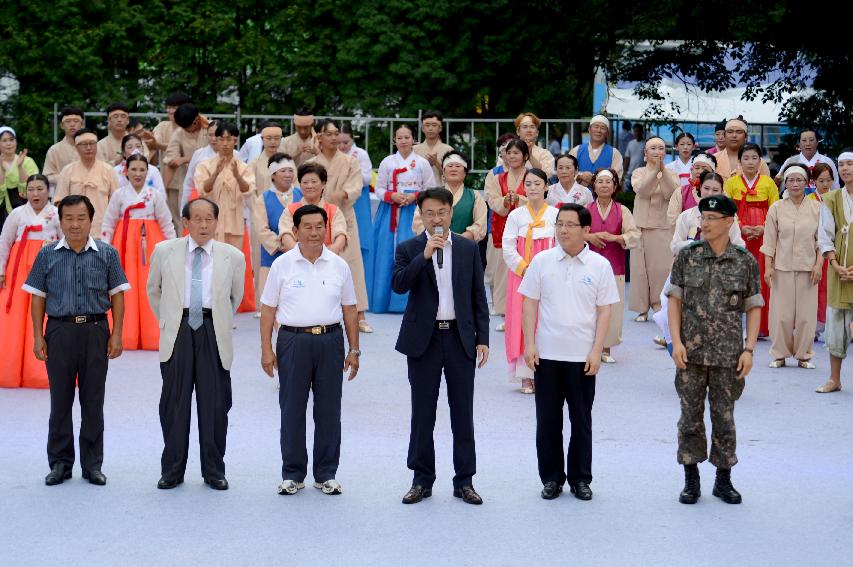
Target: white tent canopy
695,105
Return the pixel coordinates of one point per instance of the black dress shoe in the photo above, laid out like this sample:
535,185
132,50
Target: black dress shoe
551,490
216,483
416,493
468,495
95,477
581,490
165,483
57,475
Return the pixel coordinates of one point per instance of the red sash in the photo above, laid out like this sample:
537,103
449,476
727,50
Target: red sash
751,213
330,212
125,221
394,206
24,237
498,221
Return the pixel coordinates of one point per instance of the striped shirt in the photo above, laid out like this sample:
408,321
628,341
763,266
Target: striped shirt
76,283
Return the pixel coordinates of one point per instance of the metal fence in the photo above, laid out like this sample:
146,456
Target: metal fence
473,136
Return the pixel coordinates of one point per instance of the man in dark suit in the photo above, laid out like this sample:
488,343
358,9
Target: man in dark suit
445,327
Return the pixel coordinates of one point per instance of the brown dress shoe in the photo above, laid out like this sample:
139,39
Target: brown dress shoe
468,495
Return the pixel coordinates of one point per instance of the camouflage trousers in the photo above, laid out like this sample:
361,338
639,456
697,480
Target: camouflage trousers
723,389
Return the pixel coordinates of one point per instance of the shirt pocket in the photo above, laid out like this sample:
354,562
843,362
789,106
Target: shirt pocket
694,277
332,285
96,280
733,289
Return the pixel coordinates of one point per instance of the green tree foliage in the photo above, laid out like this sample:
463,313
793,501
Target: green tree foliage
373,57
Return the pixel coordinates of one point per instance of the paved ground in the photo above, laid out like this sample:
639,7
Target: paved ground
796,475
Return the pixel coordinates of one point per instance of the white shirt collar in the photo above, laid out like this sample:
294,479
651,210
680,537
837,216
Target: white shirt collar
580,256
192,245
89,244
324,255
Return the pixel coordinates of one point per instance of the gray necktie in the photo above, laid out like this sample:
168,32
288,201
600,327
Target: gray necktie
195,317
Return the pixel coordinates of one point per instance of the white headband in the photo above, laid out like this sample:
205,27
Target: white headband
845,156
454,158
599,119
4,129
604,173
702,158
795,169
281,164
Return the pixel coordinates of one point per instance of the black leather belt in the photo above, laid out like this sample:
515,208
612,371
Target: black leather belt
204,312
315,330
445,325
80,319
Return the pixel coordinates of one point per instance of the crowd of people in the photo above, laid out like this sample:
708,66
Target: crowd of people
152,240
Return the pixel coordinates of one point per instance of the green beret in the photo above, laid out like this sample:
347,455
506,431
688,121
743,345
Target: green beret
719,204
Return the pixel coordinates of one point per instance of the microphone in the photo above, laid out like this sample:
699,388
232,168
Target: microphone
439,231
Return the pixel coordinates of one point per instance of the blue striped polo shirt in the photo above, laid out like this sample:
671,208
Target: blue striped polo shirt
76,283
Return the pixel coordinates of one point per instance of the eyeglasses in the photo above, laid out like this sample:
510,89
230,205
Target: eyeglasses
567,225
87,144
711,219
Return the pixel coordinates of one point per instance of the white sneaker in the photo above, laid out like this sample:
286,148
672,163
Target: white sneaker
501,328
290,487
257,315
330,487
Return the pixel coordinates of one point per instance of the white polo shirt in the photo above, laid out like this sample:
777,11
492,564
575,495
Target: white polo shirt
307,294
569,290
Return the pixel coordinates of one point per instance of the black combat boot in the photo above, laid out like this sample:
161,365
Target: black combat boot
723,487
692,490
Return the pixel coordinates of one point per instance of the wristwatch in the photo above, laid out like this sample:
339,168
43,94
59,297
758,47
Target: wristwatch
749,350
355,351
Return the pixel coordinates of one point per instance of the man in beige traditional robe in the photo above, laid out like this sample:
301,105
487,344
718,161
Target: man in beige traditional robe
64,151
158,140
190,135
88,176
271,137
432,148
728,163
302,144
109,148
228,182
599,128
342,190
527,128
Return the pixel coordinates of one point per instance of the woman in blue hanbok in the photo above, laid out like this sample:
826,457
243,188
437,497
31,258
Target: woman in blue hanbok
399,180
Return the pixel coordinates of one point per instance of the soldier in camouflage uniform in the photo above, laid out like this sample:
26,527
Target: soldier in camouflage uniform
712,283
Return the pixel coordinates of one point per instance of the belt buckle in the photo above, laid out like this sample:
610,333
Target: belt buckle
318,330
444,325
80,319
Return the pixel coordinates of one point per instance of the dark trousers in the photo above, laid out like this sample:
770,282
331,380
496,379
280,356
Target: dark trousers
310,363
557,383
445,352
77,355
195,363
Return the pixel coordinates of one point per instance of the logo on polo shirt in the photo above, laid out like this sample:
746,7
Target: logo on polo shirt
586,280
297,284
